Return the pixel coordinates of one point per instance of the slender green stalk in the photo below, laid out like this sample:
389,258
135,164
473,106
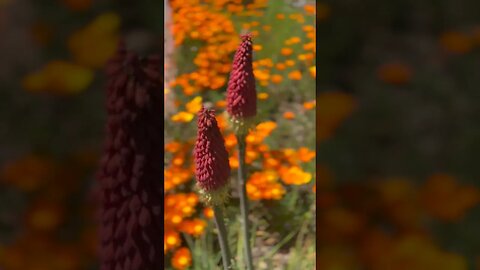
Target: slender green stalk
242,190
222,237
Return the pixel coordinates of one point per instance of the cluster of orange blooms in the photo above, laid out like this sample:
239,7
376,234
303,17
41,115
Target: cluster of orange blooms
197,22
381,251
178,208
452,42
90,48
286,161
42,253
350,235
207,24
349,213
48,185
267,72
401,204
456,42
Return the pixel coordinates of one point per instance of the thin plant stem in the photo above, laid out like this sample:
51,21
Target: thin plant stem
222,237
242,190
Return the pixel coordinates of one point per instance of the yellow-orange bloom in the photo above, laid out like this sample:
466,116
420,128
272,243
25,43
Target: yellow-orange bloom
446,199
262,96
339,222
308,28
309,46
264,186
183,117
456,42
294,175
233,161
230,140
44,216
93,45
182,258
222,122
173,146
276,78
194,105
308,105
179,206
313,71
400,199
289,115
261,74
295,75
309,9
194,227
286,51
334,107
59,77
208,212
395,73
280,66
175,176
261,131
416,251
293,40
172,240
28,173
305,155
290,63
221,103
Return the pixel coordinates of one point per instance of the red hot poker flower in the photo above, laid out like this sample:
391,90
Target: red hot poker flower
131,190
211,159
241,93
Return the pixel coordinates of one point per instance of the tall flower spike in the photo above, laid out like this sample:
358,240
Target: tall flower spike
211,159
241,92
131,218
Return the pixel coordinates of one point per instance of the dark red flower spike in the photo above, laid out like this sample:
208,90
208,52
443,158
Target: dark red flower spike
211,159
130,175
241,92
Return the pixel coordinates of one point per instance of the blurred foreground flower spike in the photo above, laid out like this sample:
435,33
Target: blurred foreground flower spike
211,159
131,223
241,92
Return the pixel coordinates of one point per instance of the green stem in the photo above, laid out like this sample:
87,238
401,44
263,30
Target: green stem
242,190
222,237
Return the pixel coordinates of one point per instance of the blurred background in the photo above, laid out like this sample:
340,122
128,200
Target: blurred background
398,135
52,121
